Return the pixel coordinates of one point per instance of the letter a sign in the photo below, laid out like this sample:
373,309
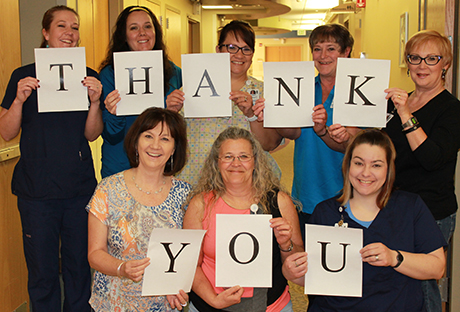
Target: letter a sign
359,99
334,261
207,85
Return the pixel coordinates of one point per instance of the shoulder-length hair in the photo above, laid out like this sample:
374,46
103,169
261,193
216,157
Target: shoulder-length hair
239,29
333,33
48,18
372,137
149,119
118,41
264,181
431,36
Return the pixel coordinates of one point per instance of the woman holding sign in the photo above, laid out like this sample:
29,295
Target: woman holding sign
127,206
237,179
317,157
402,244
238,39
137,29
54,178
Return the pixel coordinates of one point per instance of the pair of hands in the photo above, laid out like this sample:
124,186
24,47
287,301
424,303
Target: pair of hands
134,270
28,84
175,101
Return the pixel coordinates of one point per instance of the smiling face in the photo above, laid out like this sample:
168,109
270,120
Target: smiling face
63,31
368,170
155,147
424,76
325,55
140,32
239,63
236,172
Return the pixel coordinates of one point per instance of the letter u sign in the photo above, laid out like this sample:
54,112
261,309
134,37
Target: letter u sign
324,257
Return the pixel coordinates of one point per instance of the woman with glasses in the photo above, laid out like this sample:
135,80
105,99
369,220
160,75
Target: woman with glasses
236,177
238,39
425,129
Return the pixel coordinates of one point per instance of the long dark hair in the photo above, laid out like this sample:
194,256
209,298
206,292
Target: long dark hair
118,41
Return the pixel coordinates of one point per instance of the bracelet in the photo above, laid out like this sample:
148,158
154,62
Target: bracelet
251,119
119,269
291,246
413,128
325,132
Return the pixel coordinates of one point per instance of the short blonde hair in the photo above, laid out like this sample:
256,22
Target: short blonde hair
431,36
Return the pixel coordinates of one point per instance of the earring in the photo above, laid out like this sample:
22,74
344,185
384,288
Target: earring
137,157
443,75
172,162
408,73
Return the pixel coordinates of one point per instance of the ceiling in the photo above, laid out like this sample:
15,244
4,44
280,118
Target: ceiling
277,16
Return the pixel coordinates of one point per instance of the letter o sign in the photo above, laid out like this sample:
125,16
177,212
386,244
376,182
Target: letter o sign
231,248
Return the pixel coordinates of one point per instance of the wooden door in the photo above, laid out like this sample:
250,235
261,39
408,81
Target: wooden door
173,35
94,36
283,54
13,271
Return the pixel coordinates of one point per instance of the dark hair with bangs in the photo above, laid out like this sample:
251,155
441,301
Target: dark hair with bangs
118,41
149,119
241,30
333,33
48,18
373,137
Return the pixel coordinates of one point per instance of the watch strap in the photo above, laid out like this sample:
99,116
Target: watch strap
400,259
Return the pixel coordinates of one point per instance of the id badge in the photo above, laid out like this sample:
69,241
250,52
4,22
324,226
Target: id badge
254,94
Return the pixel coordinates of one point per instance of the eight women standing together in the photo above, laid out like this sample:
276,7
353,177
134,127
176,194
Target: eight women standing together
54,177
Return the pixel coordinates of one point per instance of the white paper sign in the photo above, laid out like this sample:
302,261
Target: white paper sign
359,99
60,71
139,78
207,85
289,90
335,267
173,257
243,250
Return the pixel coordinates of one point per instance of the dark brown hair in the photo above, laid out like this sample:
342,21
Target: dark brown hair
118,42
333,33
241,30
149,119
48,18
372,137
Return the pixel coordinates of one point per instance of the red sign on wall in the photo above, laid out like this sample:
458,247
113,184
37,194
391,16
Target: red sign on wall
361,3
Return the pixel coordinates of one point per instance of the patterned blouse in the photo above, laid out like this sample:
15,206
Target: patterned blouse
202,132
129,226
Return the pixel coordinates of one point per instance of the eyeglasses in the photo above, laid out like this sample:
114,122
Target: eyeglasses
430,60
233,49
230,158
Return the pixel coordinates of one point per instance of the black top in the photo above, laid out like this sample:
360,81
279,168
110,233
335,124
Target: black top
429,170
56,161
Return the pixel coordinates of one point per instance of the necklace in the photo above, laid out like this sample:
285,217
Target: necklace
149,192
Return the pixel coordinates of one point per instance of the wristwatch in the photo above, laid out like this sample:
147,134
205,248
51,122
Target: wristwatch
399,258
410,123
